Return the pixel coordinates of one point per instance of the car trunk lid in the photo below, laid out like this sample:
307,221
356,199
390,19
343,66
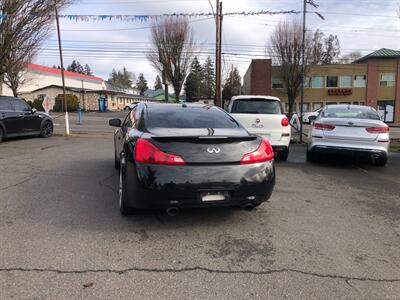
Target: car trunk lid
205,145
350,129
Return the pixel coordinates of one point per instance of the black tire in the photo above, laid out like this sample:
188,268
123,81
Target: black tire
283,155
116,160
311,156
1,134
47,129
381,161
124,209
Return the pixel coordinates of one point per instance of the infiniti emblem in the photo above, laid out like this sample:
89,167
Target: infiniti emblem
213,150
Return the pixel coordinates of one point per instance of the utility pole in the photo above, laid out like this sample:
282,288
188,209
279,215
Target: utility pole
62,72
303,69
218,54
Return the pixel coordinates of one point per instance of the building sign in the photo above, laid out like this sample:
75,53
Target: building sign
48,104
340,92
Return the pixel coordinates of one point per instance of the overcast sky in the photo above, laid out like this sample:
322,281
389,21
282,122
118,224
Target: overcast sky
361,25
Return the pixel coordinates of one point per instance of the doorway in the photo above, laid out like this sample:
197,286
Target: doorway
386,111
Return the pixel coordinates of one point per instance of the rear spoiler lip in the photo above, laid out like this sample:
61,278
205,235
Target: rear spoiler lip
205,137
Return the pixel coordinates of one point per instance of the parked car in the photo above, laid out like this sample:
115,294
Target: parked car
310,117
349,129
17,118
175,156
263,116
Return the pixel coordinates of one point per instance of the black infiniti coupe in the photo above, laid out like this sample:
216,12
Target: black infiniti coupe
17,118
174,156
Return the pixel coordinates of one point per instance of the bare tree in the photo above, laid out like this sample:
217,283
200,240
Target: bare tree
172,50
286,49
352,56
24,25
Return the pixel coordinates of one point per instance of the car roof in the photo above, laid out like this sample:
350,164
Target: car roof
347,105
255,97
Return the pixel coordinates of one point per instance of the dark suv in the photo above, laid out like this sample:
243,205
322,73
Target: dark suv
17,118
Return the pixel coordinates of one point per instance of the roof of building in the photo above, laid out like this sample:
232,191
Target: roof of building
381,53
48,70
67,88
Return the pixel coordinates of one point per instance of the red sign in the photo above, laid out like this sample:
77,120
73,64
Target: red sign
340,92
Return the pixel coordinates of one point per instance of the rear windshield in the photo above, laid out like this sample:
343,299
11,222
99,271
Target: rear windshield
189,117
257,106
352,112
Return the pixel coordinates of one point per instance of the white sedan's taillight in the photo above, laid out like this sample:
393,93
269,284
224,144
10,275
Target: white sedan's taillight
378,130
326,127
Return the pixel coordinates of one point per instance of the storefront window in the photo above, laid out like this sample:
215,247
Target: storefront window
332,81
346,81
306,107
360,80
387,79
317,82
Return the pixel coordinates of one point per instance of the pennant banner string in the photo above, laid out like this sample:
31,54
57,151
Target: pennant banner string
145,18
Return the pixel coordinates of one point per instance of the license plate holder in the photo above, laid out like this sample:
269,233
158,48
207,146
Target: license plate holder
214,196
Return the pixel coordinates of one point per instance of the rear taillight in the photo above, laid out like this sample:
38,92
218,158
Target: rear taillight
320,126
378,129
285,122
263,153
146,152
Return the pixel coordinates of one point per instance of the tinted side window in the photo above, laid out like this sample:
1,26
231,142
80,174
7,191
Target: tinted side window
5,105
20,105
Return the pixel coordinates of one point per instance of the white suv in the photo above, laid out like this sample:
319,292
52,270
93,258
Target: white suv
263,116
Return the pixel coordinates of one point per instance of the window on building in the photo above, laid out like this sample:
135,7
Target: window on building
307,82
346,81
317,82
277,83
387,79
306,107
317,105
360,81
332,81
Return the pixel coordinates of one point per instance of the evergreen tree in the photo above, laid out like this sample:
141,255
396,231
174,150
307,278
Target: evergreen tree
232,85
121,79
141,84
209,79
194,81
88,70
79,68
72,67
158,83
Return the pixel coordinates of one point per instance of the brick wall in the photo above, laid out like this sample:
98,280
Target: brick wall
258,79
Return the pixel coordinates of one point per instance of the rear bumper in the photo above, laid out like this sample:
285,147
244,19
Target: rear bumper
159,186
368,153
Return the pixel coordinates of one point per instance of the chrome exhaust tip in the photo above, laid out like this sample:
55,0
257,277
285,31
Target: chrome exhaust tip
173,211
248,206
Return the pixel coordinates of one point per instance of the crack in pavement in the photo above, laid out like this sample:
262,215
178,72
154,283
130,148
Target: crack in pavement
202,269
103,184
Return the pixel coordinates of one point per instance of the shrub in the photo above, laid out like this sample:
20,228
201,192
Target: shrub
72,102
37,103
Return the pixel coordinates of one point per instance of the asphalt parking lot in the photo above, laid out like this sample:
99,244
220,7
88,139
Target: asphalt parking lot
330,230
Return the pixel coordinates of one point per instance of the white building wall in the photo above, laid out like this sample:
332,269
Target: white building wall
35,80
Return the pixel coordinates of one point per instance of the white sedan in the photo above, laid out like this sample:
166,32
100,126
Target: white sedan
349,129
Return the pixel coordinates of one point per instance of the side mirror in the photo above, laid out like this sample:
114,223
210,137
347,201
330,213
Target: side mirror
34,110
115,123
